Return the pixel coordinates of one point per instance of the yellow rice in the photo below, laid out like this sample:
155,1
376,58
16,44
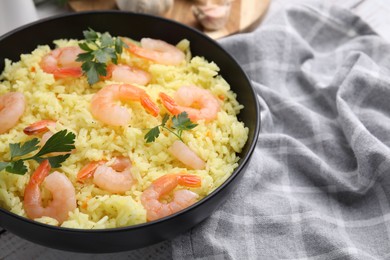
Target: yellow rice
68,102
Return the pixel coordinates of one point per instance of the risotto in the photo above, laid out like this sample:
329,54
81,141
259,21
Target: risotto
111,120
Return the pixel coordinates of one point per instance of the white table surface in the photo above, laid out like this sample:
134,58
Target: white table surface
375,12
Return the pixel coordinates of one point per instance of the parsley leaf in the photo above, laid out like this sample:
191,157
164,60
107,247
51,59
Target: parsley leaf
181,122
60,142
93,70
152,134
85,47
100,49
18,150
55,161
165,119
17,167
119,45
106,40
4,165
90,35
103,55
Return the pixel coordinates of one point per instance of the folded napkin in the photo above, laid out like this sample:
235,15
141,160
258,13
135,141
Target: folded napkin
318,186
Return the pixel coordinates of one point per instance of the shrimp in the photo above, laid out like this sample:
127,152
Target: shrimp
157,51
61,188
39,127
104,105
184,154
88,170
43,127
62,62
116,178
197,102
12,106
127,74
162,186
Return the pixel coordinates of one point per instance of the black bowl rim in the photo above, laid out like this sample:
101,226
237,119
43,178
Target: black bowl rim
236,172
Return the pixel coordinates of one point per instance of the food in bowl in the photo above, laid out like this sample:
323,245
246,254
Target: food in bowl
109,132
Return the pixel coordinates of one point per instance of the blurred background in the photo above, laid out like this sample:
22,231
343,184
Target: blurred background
217,18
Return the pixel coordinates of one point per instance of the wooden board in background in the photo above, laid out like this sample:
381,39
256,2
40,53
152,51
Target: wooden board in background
244,16
91,5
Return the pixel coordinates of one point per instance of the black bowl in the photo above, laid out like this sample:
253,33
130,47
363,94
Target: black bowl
25,39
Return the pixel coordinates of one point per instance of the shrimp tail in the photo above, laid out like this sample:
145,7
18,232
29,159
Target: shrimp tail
40,173
128,43
38,127
190,180
88,170
149,105
169,103
133,48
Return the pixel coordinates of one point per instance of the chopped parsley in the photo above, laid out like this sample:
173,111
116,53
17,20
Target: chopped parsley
180,123
60,142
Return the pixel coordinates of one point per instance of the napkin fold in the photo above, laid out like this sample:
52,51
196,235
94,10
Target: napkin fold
318,186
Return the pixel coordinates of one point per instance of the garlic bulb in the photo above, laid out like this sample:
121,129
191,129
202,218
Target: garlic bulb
212,16
155,7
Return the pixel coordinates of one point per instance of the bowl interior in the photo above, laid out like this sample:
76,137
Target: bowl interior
25,39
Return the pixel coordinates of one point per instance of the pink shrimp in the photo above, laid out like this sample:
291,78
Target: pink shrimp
12,106
184,154
62,190
127,74
62,62
88,170
39,127
104,105
116,178
150,198
197,102
157,51
43,127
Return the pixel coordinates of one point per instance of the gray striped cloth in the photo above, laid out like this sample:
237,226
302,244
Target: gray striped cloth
319,185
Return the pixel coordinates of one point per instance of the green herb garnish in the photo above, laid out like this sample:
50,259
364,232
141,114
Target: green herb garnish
100,49
60,142
180,123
